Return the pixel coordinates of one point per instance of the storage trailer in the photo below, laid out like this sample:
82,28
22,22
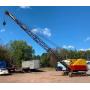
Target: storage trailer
30,65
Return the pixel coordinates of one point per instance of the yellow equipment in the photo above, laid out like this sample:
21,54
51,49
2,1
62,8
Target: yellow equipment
78,65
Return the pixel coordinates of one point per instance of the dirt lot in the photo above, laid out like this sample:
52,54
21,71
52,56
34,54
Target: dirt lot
48,75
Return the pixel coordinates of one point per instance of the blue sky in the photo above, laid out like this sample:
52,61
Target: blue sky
67,27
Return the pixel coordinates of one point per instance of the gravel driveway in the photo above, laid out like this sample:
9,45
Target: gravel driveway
48,76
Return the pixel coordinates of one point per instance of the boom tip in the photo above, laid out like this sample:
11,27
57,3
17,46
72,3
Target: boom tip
6,12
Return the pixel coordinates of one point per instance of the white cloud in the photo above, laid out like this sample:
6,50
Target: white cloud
2,30
42,31
87,39
88,49
84,49
25,7
68,46
46,32
35,30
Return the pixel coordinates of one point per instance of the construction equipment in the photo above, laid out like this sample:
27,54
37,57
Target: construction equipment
69,69
36,38
78,66
4,23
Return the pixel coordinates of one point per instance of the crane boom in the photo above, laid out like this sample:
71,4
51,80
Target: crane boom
35,38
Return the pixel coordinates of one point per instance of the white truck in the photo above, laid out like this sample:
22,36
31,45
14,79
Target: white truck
30,65
61,67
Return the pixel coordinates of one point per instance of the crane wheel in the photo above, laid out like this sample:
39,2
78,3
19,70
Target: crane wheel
65,73
70,74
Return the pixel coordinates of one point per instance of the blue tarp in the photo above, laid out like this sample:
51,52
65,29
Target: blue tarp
3,64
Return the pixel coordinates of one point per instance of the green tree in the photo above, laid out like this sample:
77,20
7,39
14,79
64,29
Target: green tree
4,53
37,57
63,53
81,54
88,55
20,51
44,60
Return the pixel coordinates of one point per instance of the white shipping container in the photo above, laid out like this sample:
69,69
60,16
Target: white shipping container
31,64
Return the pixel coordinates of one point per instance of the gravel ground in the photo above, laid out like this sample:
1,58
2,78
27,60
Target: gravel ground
48,76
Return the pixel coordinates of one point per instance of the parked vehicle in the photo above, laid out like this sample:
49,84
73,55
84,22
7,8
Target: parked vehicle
30,65
4,71
3,68
60,67
88,65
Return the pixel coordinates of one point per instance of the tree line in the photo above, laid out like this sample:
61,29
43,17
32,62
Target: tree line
49,60
16,51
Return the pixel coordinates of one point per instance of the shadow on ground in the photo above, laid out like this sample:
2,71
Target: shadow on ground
37,70
30,71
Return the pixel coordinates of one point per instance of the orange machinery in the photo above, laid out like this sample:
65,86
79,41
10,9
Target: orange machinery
77,66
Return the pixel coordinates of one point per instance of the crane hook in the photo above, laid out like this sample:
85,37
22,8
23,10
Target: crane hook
4,23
